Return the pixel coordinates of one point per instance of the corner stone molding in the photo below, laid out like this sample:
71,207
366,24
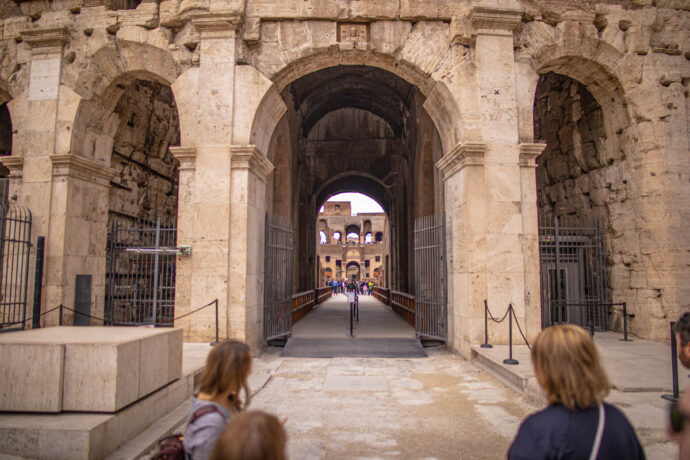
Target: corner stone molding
15,164
249,157
468,154
77,167
529,154
186,156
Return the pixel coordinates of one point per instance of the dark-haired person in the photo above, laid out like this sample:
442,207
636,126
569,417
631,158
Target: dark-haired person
218,401
577,424
252,435
682,330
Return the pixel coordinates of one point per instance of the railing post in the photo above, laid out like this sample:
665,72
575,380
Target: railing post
38,282
674,367
486,327
60,318
510,359
216,342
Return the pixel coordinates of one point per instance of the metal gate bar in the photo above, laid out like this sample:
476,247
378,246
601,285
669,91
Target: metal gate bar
571,259
141,273
15,244
277,278
430,277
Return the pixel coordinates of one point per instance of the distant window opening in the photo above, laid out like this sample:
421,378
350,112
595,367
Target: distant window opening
338,264
322,236
122,4
378,258
328,258
352,238
336,237
367,238
379,237
366,263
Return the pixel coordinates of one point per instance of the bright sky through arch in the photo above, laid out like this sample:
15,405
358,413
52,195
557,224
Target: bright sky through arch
360,203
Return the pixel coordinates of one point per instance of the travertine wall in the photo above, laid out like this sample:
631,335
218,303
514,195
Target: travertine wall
146,174
236,68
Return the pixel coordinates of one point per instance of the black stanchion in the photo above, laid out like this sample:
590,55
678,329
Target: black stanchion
674,367
357,305
38,281
625,322
510,359
486,343
352,314
213,344
60,317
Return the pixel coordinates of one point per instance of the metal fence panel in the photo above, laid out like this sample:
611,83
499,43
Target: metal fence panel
15,247
430,277
277,278
141,273
573,285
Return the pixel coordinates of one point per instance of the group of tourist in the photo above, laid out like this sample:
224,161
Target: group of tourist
361,287
576,424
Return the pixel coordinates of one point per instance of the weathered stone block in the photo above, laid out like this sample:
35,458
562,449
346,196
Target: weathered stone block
86,369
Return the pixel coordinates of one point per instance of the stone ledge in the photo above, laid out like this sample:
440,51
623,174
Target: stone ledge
186,156
80,168
529,153
249,157
469,154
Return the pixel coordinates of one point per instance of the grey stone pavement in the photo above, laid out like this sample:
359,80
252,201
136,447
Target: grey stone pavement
439,407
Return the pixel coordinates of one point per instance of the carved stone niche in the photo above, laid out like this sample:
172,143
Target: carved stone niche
353,32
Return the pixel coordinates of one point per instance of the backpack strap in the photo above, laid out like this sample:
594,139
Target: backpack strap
203,411
600,431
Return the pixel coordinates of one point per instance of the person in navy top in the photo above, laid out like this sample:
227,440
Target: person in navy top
577,424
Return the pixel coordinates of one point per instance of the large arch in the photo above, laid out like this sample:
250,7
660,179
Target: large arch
444,111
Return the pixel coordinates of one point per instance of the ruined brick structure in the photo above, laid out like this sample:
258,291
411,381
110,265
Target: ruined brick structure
353,247
489,112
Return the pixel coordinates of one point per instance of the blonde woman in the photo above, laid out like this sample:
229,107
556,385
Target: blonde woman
225,376
252,435
577,424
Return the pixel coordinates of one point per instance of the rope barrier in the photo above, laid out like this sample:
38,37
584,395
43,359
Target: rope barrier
80,313
491,317
194,311
29,319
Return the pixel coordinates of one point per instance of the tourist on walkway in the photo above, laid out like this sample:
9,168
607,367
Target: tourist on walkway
252,435
577,424
335,287
225,376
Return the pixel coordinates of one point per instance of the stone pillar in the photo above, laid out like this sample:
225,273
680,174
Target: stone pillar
490,202
67,194
249,169
222,201
462,171
530,235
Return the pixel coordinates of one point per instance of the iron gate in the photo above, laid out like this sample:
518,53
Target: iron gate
141,273
15,247
430,277
573,285
278,278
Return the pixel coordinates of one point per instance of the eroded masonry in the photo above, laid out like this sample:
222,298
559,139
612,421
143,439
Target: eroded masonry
539,147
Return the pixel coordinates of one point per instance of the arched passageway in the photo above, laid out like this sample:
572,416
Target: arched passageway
361,129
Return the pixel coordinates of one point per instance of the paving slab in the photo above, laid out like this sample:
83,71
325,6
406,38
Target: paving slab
354,347
331,320
633,366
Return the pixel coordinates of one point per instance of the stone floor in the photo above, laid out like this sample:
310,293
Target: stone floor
439,407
